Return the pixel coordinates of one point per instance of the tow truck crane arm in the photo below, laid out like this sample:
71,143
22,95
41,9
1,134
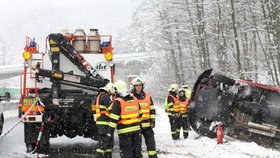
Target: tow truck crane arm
60,44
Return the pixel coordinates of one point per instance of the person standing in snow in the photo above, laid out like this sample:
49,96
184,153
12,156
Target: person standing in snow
172,107
125,116
148,115
103,102
184,119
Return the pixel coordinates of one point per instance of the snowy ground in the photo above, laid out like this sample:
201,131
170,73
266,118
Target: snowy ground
203,146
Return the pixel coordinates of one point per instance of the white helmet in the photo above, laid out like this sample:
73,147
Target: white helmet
181,89
109,88
185,86
137,81
173,87
121,87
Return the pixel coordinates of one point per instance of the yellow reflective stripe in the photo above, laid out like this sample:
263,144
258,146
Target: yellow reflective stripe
102,107
172,132
177,130
112,124
169,114
129,129
146,124
153,116
186,131
128,101
146,115
152,152
107,114
110,107
130,116
152,107
114,116
100,151
184,116
108,150
130,121
102,123
146,110
170,104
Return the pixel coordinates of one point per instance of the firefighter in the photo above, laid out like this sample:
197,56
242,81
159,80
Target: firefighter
188,91
125,116
184,119
103,102
172,107
148,115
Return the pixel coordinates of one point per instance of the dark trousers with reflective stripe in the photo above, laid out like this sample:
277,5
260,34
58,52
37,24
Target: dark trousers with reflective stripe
184,123
148,134
130,145
104,148
175,127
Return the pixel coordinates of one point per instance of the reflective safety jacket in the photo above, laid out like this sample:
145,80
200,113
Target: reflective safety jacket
147,109
103,102
125,115
188,92
184,103
172,104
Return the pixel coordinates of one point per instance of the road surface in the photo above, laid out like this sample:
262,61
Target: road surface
13,144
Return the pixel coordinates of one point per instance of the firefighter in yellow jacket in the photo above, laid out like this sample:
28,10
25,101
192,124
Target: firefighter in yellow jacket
103,102
148,115
172,107
125,116
184,119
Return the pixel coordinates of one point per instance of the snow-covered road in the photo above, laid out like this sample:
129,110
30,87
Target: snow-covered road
203,147
194,146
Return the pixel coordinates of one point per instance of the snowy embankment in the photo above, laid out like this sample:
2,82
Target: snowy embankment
202,147
10,108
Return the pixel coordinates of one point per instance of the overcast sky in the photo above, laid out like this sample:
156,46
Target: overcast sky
38,18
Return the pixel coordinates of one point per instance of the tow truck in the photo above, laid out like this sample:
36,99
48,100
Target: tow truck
59,86
248,111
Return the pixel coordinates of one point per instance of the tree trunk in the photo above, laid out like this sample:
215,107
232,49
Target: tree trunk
236,39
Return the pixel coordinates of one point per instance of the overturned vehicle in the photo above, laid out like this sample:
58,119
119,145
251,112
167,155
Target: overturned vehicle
249,111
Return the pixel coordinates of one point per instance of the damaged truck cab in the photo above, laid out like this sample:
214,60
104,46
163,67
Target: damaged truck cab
249,111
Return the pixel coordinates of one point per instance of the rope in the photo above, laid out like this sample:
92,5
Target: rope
33,153
17,123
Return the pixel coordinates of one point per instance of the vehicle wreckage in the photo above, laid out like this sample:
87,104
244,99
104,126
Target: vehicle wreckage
249,111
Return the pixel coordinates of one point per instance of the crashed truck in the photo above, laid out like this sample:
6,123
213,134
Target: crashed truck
59,86
248,111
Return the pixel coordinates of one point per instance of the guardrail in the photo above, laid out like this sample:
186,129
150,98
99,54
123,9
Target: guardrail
12,105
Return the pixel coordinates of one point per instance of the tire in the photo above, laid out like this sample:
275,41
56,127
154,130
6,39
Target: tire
1,123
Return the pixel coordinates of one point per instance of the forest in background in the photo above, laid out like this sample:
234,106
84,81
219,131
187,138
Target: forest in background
238,38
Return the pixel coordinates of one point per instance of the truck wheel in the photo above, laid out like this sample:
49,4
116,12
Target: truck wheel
1,123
